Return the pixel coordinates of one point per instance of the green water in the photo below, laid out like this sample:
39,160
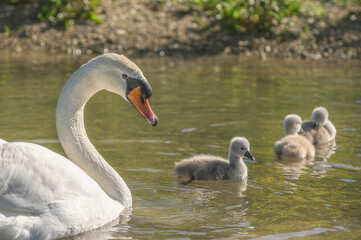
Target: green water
201,104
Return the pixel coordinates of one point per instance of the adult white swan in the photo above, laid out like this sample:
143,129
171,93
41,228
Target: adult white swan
44,195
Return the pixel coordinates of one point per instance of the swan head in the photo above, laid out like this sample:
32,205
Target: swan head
123,77
240,147
292,124
319,116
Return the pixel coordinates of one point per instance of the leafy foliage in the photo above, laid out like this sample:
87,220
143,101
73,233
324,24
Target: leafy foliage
263,15
239,15
64,12
252,14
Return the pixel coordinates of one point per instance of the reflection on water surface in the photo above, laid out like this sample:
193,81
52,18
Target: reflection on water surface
202,103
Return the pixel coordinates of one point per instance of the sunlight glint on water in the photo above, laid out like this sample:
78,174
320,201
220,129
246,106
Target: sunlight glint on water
201,104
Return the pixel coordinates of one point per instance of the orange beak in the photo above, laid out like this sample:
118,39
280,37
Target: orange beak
143,107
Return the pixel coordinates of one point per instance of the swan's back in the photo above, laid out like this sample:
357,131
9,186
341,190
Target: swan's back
203,167
294,146
40,187
319,135
320,129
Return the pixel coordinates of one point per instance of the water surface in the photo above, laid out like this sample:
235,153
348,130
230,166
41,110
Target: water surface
202,103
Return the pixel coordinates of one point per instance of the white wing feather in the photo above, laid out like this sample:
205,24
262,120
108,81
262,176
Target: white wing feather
39,186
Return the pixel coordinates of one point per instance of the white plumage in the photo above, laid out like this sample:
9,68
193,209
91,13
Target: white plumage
320,129
293,145
44,195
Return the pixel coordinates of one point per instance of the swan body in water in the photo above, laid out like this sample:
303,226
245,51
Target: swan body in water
44,195
294,145
209,167
320,129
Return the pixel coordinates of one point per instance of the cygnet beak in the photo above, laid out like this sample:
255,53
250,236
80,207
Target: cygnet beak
142,104
249,155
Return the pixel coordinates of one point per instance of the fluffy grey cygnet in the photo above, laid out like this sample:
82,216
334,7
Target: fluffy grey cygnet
209,167
320,130
294,145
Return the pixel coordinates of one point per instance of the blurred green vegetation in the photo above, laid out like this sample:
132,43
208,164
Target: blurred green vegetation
263,15
238,15
64,12
254,14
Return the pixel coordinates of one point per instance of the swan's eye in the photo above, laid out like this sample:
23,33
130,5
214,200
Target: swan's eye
242,148
125,76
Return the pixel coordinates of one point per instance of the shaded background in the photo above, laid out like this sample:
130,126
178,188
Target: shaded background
312,29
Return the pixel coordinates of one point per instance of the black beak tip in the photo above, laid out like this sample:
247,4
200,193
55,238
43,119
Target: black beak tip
155,122
249,155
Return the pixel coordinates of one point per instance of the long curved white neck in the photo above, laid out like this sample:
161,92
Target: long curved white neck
72,135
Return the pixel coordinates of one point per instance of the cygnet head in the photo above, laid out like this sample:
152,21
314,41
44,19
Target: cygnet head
292,124
240,147
319,116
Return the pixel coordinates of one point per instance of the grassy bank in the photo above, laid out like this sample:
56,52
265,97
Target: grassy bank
312,29
264,15
63,12
238,16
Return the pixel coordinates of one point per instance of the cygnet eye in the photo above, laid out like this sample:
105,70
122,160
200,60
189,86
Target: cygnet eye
242,148
125,76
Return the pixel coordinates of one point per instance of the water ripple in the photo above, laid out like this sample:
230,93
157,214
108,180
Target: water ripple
348,166
188,130
222,124
347,180
304,233
167,153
